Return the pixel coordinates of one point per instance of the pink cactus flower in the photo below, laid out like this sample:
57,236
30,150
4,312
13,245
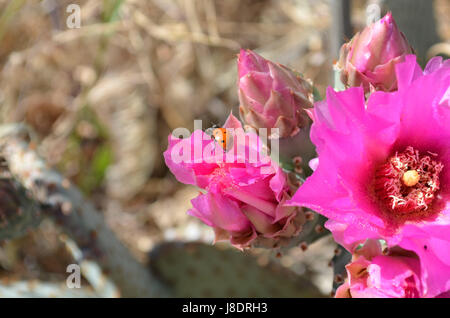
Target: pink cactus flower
370,57
244,194
271,95
383,167
371,274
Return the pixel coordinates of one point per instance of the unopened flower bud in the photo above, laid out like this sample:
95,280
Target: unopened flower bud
371,55
272,96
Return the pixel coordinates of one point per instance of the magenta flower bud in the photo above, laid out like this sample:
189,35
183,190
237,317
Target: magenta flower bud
371,55
272,96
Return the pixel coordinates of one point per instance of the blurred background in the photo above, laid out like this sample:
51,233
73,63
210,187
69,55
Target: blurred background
102,99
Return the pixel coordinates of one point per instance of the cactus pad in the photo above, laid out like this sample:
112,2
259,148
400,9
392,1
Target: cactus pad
199,270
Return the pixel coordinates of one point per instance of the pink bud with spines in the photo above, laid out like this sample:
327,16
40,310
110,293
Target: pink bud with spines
369,58
271,95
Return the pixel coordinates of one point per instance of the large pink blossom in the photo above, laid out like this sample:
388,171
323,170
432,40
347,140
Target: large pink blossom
245,194
383,167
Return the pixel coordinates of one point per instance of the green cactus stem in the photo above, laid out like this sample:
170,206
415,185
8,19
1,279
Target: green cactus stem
198,270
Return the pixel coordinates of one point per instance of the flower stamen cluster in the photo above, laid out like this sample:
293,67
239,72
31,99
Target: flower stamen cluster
408,182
